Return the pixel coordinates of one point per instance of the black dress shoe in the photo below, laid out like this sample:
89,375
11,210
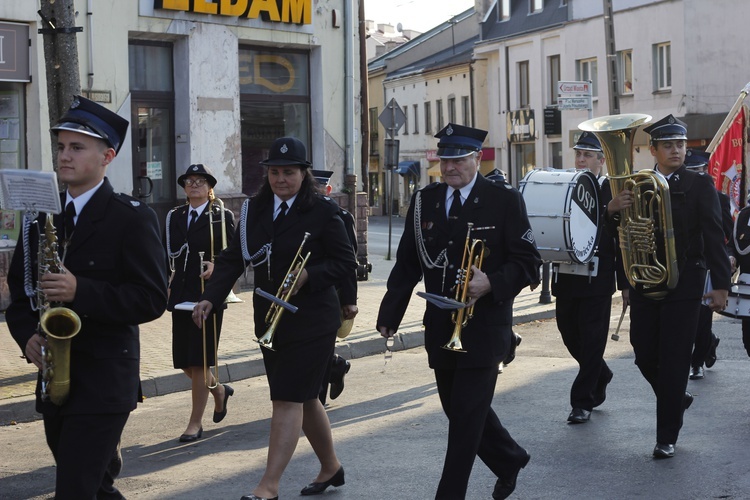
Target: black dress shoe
253,497
579,416
687,400
711,356
341,367
600,395
504,487
219,415
514,342
318,488
696,373
188,438
663,450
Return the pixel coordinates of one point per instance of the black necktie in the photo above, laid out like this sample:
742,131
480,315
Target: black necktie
280,217
455,209
193,217
70,224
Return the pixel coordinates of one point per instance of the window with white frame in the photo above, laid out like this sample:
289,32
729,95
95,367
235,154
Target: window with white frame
625,71
466,110
428,118
663,66
416,118
523,84
503,10
535,6
406,120
439,114
586,69
553,63
451,110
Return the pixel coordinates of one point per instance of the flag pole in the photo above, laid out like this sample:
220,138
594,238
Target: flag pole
728,119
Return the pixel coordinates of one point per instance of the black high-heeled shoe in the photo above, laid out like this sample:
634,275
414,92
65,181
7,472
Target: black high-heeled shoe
219,415
188,438
318,488
253,497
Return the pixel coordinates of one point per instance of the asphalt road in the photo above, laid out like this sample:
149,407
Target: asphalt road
390,434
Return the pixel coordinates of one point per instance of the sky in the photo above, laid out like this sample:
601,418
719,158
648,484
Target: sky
419,15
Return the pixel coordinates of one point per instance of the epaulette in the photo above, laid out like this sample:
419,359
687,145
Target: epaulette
129,201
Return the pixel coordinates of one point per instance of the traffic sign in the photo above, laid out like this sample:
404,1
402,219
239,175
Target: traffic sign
392,118
574,95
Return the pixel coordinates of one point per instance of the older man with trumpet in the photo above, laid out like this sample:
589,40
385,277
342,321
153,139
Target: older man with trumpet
297,244
489,215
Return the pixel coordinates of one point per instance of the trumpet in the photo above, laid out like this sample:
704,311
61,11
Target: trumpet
473,256
273,316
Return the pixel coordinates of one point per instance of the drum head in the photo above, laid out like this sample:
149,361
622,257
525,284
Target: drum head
585,212
564,213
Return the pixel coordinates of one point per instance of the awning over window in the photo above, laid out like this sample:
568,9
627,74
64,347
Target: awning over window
408,168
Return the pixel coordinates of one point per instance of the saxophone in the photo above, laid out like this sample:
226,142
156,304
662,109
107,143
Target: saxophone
57,324
646,231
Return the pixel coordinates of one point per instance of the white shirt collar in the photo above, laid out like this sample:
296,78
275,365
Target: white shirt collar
465,191
80,201
277,203
199,209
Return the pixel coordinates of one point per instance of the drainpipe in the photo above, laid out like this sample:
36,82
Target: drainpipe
90,18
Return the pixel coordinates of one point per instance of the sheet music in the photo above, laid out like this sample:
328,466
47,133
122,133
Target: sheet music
185,306
29,190
707,287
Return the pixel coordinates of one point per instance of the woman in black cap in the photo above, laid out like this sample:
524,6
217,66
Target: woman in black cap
188,235
272,227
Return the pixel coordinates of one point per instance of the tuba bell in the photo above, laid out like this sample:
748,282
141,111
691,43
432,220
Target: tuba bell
646,231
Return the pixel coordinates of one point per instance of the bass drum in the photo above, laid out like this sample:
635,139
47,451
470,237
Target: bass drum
738,301
564,212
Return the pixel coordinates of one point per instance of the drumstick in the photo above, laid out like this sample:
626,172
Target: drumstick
616,336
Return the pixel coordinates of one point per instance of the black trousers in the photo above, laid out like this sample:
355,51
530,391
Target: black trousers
584,326
704,336
83,446
473,429
662,333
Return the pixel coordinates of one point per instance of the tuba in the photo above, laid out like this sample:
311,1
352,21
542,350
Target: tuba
273,316
473,256
57,324
646,232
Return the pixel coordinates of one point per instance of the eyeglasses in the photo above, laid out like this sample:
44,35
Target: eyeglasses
195,182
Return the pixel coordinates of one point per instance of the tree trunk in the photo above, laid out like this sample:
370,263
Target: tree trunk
61,59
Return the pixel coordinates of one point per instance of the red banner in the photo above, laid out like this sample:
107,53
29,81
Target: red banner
727,161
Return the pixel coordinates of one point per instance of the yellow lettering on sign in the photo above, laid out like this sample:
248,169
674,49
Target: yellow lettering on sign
267,8
273,59
233,7
205,7
183,5
292,11
296,11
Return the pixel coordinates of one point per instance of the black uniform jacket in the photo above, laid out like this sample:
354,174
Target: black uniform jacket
698,234
186,283
607,252
511,262
118,259
331,262
348,288
741,239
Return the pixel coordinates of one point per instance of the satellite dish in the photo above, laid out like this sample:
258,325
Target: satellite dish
399,28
